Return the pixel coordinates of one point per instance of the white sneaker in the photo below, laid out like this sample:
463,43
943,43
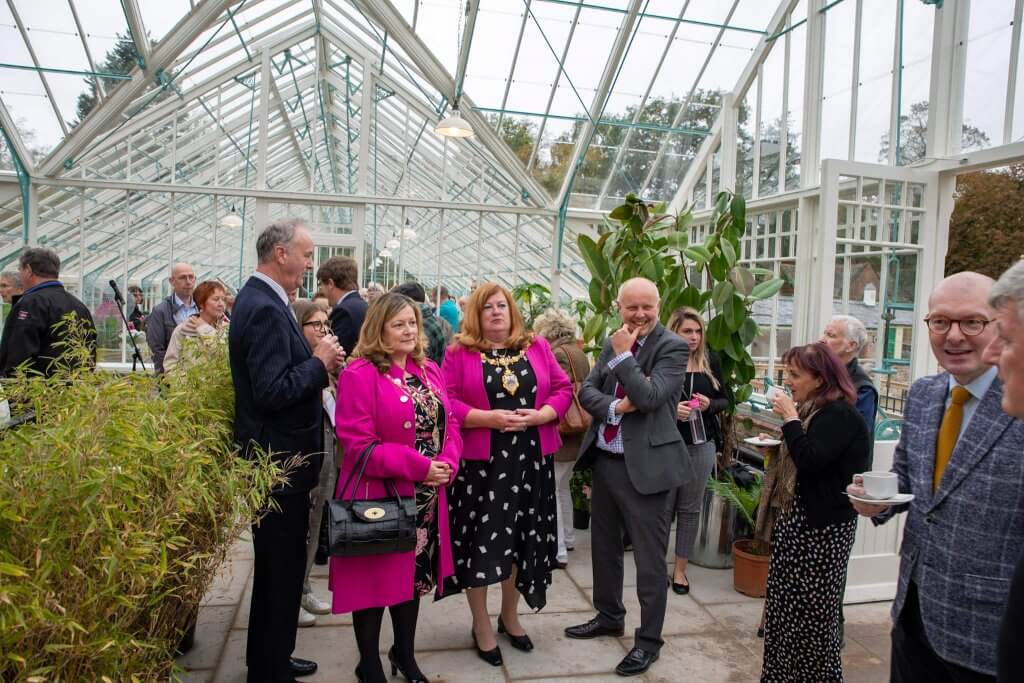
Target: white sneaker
315,605
306,619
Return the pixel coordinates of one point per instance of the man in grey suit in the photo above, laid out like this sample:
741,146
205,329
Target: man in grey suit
638,458
960,455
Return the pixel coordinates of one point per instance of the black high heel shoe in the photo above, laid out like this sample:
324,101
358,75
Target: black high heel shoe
492,657
522,642
415,676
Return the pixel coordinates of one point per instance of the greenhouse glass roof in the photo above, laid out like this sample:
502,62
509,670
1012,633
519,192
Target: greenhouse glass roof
141,123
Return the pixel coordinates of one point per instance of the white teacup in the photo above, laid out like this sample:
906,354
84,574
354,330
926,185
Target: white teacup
880,485
772,393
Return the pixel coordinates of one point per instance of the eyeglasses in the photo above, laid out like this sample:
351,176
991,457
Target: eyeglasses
318,325
971,327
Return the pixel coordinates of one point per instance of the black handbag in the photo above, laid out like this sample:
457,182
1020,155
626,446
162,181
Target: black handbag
370,527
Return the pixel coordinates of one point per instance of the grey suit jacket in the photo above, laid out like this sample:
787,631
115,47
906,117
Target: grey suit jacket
961,543
653,381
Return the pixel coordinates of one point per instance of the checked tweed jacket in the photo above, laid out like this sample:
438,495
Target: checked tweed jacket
960,544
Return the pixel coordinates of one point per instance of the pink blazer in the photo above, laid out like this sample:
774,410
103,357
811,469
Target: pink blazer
372,409
463,372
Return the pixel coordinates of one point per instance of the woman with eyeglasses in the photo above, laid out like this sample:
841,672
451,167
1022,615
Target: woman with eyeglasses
508,393
312,319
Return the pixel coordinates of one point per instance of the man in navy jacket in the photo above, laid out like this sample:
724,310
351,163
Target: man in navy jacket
278,384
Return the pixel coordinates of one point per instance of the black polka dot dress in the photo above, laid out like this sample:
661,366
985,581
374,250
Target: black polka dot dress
806,578
502,511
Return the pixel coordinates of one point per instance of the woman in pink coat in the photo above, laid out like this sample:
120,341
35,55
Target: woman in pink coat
508,393
394,397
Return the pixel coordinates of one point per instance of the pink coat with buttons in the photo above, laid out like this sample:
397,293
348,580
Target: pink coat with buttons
371,408
464,374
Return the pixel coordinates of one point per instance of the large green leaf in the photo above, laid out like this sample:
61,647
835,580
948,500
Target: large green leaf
683,222
743,393
718,333
742,279
691,297
594,327
721,293
719,269
596,263
767,289
677,240
738,209
623,212
697,253
735,312
729,252
597,294
748,331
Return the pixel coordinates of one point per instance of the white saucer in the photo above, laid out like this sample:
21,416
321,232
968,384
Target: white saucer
755,441
898,499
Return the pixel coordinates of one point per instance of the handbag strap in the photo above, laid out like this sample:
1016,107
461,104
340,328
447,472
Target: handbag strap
360,466
572,366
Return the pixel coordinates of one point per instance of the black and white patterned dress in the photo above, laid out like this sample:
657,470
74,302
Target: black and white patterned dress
806,578
502,511
429,437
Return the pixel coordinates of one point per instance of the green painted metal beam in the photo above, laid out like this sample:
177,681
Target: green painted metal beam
600,122
650,15
70,72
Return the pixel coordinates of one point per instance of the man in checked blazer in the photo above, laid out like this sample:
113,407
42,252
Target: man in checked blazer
278,410
963,535
638,457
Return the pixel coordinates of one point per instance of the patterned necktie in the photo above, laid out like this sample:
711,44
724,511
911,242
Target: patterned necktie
611,431
949,432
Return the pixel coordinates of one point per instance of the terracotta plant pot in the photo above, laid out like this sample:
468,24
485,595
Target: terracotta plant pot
749,571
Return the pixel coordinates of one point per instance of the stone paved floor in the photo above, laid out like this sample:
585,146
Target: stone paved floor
709,634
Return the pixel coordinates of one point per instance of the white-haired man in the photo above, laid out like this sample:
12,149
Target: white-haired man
1007,352
847,336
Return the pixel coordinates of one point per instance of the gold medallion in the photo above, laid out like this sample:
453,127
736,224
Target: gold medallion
510,382
374,513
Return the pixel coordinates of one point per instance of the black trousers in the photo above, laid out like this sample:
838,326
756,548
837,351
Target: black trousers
616,507
913,660
279,543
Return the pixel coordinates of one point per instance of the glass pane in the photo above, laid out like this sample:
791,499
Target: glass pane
796,40
745,119
874,84
988,61
836,96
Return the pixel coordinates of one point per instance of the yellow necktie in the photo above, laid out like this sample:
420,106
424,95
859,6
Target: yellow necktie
949,432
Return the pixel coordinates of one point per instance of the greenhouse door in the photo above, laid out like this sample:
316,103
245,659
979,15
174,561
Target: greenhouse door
880,244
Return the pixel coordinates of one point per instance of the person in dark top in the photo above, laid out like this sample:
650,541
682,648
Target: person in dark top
1007,352
138,315
338,277
31,331
705,384
435,328
826,443
846,336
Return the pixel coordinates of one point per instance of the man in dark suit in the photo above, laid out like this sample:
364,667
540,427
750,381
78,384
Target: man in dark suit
638,456
959,454
278,385
339,281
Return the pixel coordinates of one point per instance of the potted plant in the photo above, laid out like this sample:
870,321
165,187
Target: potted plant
750,554
579,488
532,300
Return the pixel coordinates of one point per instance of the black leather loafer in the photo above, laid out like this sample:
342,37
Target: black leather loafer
302,667
681,588
636,662
522,642
592,629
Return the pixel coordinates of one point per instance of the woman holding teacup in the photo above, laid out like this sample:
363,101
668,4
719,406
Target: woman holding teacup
825,442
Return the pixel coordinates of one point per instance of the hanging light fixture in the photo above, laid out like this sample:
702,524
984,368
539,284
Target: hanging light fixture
393,243
407,232
385,253
453,125
232,220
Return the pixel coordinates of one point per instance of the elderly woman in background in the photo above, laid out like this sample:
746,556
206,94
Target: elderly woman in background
374,291
560,330
825,444
312,319
209,322
395,401
703,383
508,394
